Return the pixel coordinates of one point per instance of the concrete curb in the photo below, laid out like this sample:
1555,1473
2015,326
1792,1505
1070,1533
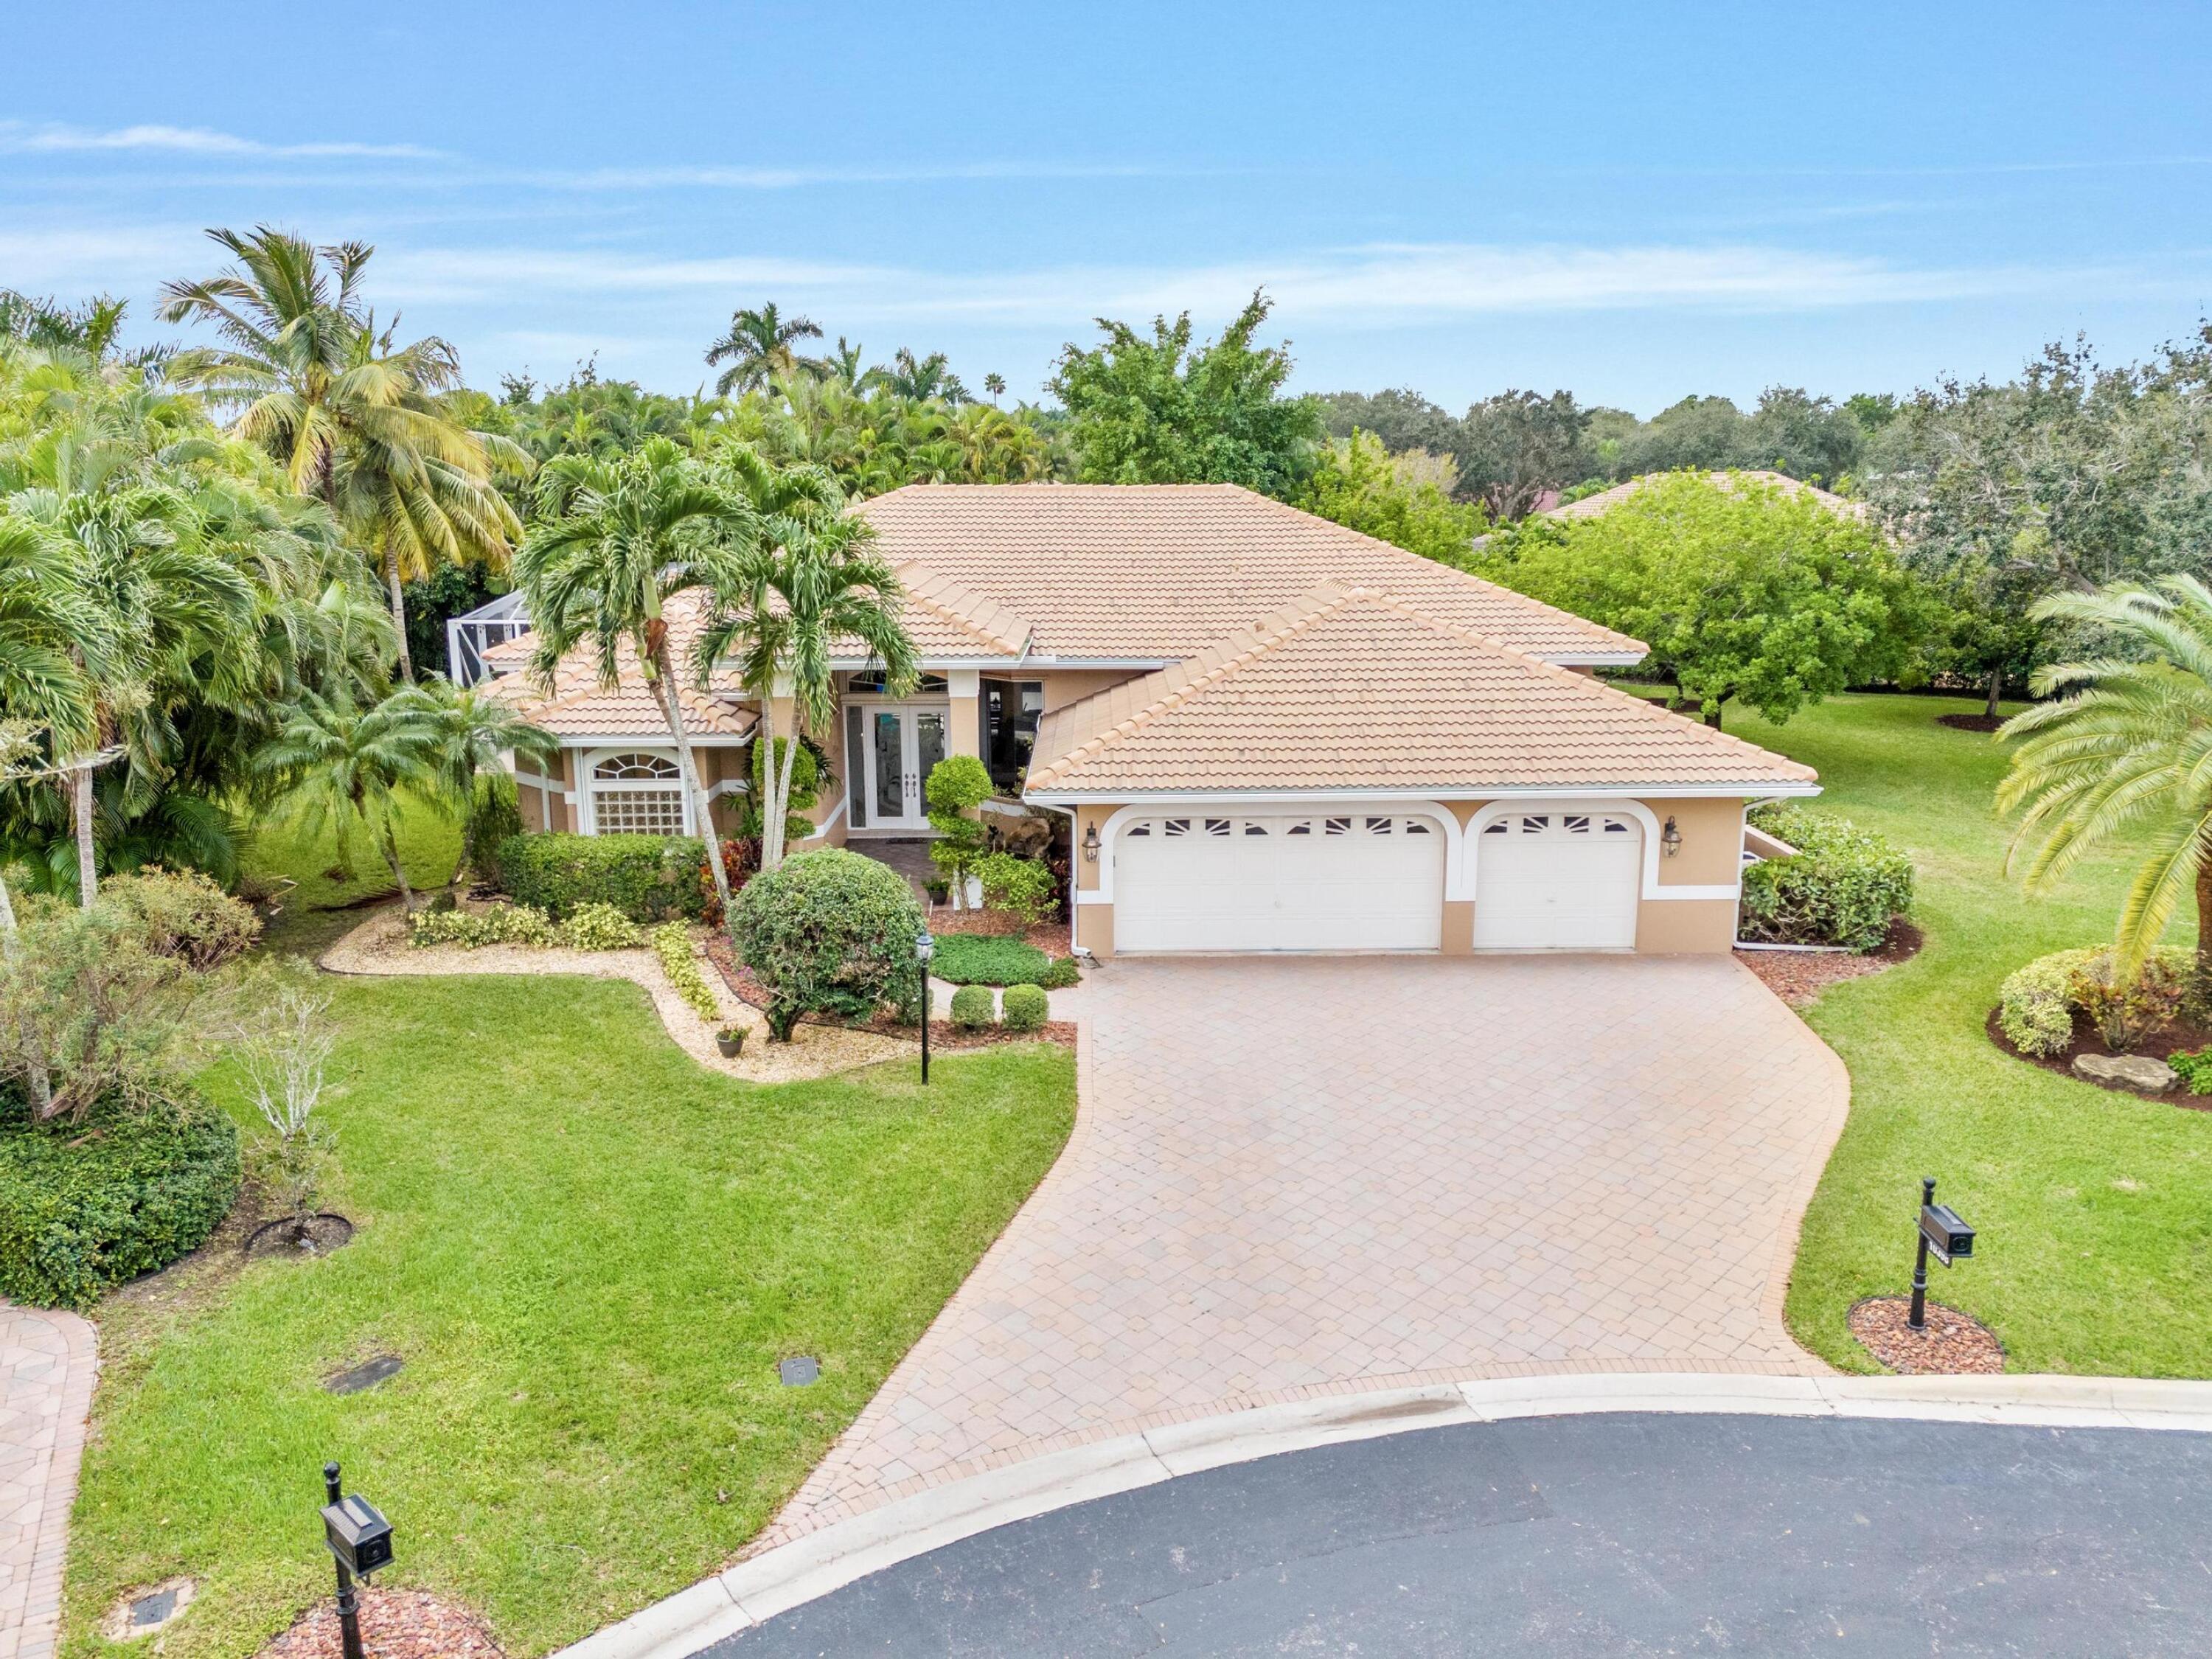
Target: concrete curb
758,1590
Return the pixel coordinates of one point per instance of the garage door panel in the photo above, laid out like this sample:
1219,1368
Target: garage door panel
1557,881
1278,883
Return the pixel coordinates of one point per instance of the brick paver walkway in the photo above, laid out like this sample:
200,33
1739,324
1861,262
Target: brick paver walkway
1298,1175
47,1365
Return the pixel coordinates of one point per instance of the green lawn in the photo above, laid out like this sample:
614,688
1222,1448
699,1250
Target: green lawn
591,1254
2095,1209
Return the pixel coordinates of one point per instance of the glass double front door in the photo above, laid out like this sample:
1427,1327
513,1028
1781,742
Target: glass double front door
900,743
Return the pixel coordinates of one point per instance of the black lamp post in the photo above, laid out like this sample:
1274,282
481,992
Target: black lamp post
1943,1231
359,1541
924,948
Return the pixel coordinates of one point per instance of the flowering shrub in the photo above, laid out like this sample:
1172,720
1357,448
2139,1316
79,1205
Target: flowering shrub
497,924
671,943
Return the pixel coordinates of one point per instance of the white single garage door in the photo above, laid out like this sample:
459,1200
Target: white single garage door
1353,882
1557,881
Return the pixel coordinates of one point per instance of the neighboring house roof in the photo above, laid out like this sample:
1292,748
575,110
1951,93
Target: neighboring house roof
1605,501
1155,572
1352,688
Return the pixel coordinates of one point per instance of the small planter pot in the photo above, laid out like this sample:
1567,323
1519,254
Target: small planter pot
730,1041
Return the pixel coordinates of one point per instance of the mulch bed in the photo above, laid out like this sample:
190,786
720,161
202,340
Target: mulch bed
1953,1345
394,1625
1971,722
2175,1037
1049,937
1798,977
943,1033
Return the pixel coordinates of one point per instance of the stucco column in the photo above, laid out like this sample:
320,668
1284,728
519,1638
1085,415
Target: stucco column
964,735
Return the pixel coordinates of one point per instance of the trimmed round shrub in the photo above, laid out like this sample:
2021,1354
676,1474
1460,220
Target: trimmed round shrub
90,1203
1843,887
830,933
972,1009
1025,1007
648,878
2033,1009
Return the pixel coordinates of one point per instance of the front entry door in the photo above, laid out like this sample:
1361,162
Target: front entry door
902,744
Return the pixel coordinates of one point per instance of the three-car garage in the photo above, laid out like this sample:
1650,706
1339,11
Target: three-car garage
1542,879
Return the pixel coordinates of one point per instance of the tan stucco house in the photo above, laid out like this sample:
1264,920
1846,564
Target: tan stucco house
1268,733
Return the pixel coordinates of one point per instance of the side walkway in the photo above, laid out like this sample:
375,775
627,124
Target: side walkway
47,1364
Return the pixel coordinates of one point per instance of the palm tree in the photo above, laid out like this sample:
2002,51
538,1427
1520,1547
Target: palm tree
355,421
930,379
995,385
344,768
2130,744
759,348
474,731
615,542
848,363
811,581
159,620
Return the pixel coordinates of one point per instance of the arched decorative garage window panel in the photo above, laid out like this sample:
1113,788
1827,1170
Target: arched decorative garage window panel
638,793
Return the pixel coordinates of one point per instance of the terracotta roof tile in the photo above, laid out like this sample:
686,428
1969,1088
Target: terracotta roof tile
1352,688
1158,572
578,705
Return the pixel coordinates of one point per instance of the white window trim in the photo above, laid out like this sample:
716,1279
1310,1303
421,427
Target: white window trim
591,785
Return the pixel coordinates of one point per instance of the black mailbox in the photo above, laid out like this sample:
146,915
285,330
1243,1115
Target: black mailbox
1946,1234
359,1536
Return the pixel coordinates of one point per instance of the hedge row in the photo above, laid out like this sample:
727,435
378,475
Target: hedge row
1842,888
648,878
98,1201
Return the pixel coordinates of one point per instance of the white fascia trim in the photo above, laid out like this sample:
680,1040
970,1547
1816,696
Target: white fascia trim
1525,792
984,665
650,741
729,786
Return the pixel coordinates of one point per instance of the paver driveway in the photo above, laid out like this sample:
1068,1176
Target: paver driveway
1297,1175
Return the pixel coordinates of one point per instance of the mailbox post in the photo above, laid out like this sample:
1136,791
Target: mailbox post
1943,1232
359,1541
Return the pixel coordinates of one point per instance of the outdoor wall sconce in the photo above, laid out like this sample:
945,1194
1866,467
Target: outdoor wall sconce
1670,839
1090,844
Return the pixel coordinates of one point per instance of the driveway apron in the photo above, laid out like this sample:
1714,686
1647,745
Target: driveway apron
1294,1177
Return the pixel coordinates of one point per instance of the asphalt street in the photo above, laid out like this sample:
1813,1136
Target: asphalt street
1620,1534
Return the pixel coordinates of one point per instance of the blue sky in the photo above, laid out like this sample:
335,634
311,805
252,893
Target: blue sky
1635,202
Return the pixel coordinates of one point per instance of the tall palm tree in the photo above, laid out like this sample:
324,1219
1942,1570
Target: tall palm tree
760,346
811,581
356,421
2129,744
925,380
995,385
345,769
849,363
615,542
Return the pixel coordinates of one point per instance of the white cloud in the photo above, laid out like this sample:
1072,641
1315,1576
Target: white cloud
20,138
1383,284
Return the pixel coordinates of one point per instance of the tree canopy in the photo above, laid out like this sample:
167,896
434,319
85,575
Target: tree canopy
1158,410
1404,499
1741,589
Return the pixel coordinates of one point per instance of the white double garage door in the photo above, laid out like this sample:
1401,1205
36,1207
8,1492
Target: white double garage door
1545,880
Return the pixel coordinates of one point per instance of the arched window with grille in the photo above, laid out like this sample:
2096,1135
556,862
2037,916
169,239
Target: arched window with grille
638,792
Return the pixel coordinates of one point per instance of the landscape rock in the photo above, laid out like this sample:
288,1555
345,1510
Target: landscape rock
2136,1071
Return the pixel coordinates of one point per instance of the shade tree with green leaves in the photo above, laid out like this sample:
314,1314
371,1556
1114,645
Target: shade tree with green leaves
1741,589
1154,409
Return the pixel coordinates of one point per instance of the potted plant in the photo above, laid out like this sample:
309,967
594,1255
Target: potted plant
731,1040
